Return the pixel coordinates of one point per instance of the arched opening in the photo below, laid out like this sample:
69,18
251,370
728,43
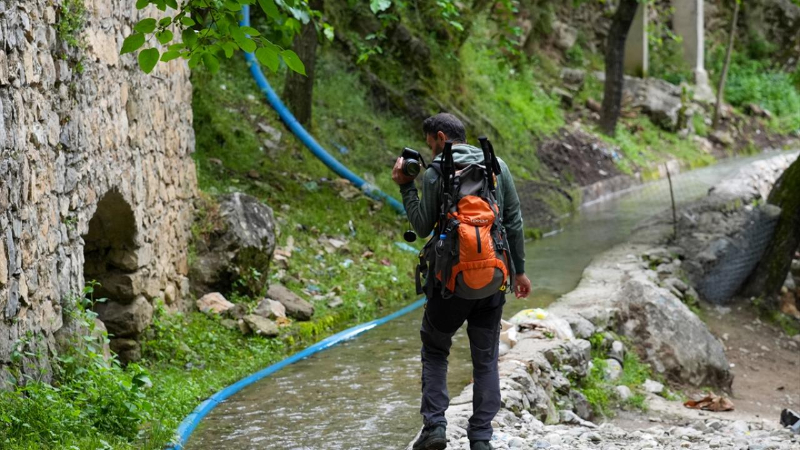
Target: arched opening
110,250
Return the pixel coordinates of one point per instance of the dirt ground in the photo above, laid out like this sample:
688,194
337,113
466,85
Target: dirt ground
766,368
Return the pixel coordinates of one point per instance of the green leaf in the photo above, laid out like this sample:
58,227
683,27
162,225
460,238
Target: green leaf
379,5
141,4
145,26
189,37
165,22
269,8
172,4
269,58
164,37
132,43
243,41
327,30
250,31
211,62
148,59
229,48
293,61
233,5
187,21
170,55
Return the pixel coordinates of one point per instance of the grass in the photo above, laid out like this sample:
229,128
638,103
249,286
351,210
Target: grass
601,393
645,145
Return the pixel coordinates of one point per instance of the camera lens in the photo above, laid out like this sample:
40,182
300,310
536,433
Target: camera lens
411,168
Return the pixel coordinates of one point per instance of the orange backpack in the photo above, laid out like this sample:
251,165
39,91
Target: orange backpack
468,255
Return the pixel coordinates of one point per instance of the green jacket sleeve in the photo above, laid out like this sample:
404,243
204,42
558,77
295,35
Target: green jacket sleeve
512,219
422,213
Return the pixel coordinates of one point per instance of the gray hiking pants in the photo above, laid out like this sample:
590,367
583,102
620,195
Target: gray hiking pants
442,318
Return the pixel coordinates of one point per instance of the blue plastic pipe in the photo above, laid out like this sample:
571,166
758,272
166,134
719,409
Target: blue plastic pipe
306,138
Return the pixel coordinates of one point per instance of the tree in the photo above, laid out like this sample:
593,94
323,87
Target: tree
770,274
202,31
298,90
615,57
724,75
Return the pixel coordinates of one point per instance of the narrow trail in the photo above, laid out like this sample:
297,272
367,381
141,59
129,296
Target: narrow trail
366,391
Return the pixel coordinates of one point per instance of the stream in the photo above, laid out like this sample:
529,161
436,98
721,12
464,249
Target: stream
365,393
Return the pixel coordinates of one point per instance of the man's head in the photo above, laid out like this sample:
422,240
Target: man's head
443,127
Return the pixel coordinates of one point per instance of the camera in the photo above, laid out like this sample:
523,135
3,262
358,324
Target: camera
411,162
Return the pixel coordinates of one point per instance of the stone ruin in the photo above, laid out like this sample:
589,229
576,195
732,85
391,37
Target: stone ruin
96,179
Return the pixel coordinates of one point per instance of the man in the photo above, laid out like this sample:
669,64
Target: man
443,317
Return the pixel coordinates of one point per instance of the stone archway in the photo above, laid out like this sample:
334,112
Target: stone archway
110,250
112,258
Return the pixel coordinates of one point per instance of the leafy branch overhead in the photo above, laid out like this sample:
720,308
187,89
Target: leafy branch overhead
203,31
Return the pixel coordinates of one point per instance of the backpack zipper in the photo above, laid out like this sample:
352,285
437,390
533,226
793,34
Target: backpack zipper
478,236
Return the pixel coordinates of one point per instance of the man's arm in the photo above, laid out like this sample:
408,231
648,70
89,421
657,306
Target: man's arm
422,213
512,219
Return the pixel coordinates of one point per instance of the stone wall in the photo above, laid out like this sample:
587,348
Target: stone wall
95,174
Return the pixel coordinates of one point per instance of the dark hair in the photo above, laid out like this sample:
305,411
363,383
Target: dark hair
447,124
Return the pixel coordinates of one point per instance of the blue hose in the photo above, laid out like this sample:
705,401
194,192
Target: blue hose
301,133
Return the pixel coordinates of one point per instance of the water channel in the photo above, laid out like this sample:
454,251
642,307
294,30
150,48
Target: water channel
364,393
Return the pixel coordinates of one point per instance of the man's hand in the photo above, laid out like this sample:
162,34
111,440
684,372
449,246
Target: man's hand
522,285
397,173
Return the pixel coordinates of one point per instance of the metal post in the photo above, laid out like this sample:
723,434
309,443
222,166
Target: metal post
674,211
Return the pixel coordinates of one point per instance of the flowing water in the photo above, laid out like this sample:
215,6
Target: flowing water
364,393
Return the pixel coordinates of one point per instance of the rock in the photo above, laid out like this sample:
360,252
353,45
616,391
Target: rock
572,418
565,97
613,370
213,302
242,244
573,78
565,35
237,312
593,105
653,387
623,392
128,350
675,341
260,325
740,427
271,309
679,285
721,137
617,351
581,405
230,324
296,307
123,321
660,100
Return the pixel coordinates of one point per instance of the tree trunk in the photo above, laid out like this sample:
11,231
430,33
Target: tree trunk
770,274
724,76
298,88
615,58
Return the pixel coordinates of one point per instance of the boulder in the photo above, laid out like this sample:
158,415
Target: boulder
722,137
128,350
213,302
295,306
242,244
271,309
613,370
623,392
565,35
260,325
581,404
672,339
125,320
660,100
653,387
573,78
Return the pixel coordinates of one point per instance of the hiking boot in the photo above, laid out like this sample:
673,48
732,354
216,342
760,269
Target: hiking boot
433,437
480,445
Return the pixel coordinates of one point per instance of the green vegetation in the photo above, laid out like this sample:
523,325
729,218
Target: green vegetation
600,392
71,20
771,314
